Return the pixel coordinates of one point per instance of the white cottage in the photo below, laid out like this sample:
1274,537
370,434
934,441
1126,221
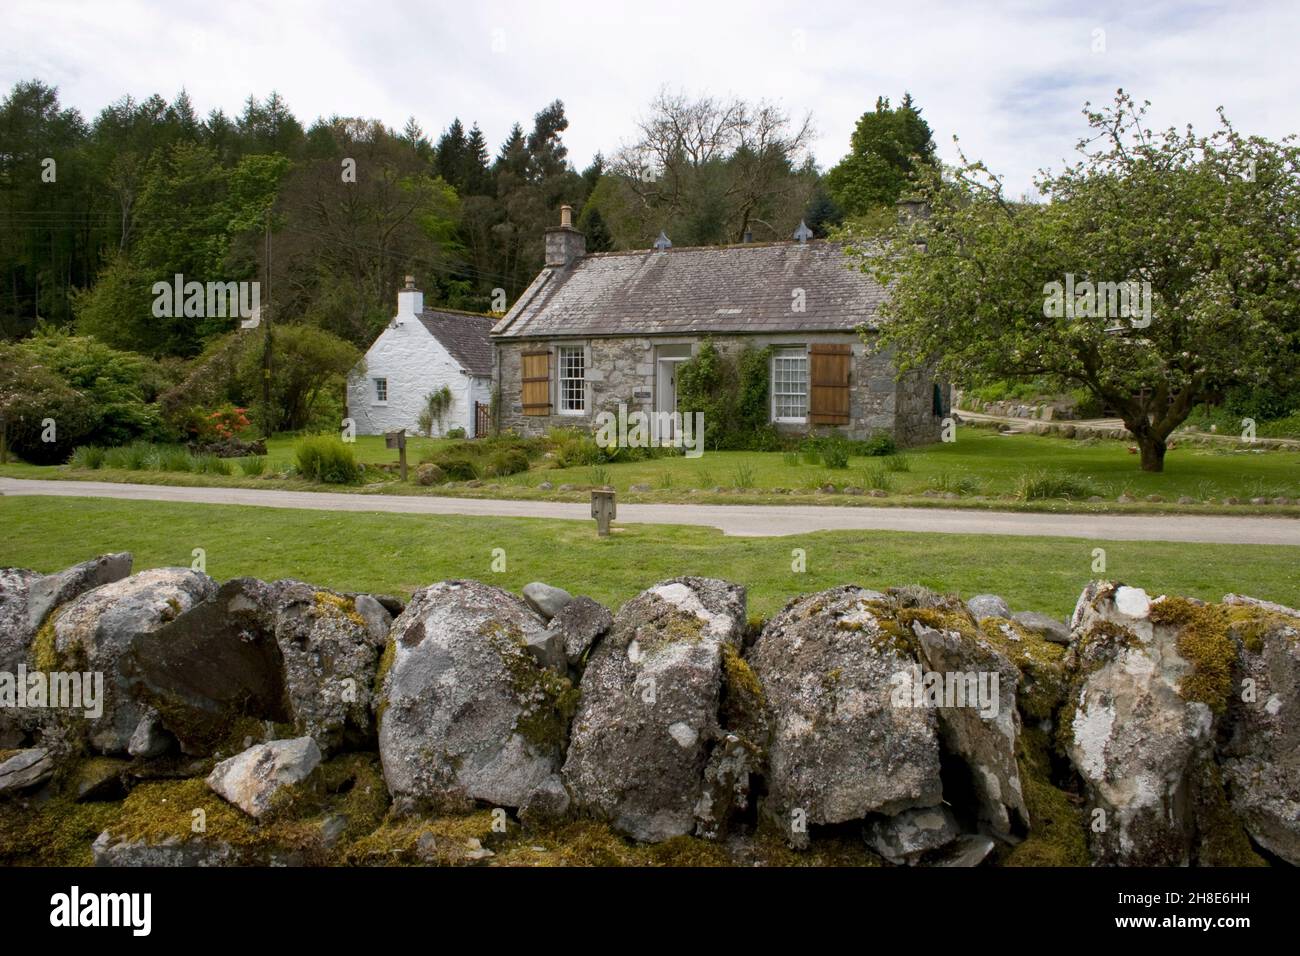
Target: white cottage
421,351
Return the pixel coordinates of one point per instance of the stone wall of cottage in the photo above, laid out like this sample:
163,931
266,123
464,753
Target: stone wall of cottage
623,370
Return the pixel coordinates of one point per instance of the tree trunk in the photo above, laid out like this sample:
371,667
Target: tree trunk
1153,452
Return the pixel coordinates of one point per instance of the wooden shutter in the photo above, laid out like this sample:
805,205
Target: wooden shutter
828,384
537,383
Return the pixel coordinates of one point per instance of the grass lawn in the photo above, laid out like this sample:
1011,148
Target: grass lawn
980,462
981,469
396,554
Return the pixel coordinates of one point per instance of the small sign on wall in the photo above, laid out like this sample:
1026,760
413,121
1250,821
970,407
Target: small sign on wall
641,394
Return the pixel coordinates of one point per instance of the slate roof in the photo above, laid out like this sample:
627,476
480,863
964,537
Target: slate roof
465,337
719,289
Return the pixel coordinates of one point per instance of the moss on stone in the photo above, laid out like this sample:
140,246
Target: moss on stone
57,832
385,665
740,677
547,700
1205,643
1095,645
1222,840
45,654
1041,664
350,786
412,840
339,605
1057,833
1208,639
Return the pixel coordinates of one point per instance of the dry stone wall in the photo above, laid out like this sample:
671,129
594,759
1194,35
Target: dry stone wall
305,725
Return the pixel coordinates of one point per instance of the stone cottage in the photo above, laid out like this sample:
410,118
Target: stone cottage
594,331
419,352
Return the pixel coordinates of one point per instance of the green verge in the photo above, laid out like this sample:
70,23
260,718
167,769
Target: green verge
396,554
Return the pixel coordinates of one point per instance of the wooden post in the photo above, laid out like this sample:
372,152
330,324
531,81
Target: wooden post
603,509
398,440
4,440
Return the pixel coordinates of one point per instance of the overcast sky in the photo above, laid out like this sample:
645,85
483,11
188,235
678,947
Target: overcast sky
1009,79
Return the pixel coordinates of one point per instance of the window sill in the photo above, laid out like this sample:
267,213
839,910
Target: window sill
790,421
579,413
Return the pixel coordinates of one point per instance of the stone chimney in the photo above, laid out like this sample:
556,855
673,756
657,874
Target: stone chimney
564,243
410,301
911,209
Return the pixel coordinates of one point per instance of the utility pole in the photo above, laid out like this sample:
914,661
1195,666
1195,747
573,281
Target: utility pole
266,344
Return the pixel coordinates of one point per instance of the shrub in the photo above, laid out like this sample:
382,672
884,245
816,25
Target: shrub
173,458
731,391
576,451
791,458
222,424
29,395
326,458
209,464
878,445
835,453
1042,484
949,482
456,432
87,456
598,475
136,456
898,463
507,461
878,478
253,465
744,476
457,466
114,382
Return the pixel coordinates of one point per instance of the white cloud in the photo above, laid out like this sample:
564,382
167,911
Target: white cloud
1009,80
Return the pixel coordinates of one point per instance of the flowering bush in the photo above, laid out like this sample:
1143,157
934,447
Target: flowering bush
222,424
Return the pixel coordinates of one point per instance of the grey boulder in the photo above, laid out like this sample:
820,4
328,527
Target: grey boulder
982,606
906,837
546,600
251,780
979,722
466,712
581,623
1260,758
1136,742
840,749
26,769
1044,625
648,716
99,629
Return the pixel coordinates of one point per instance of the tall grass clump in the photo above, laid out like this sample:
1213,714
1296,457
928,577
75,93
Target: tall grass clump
90,457
252,466
1039,485
327,459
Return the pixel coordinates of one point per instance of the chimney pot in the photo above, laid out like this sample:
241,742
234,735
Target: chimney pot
410,282
564,244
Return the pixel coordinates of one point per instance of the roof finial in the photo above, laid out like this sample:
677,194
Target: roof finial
803,233
663,242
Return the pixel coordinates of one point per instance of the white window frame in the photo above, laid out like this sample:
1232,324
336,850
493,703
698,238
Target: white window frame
782,355
380,383
562,379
